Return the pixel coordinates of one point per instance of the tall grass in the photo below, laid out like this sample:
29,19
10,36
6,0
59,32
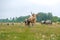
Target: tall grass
22,32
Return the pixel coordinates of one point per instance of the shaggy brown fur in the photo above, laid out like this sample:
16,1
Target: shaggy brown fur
31,19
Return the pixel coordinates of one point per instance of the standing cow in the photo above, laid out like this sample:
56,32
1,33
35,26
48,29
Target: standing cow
31,20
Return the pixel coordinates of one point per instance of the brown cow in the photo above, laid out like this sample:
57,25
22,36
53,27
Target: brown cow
31,19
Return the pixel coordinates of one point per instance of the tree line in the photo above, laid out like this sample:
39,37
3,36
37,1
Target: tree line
40,16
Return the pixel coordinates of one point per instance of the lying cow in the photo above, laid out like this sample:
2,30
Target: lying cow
27,22
46,22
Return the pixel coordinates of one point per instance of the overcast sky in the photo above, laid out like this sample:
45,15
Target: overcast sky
16,8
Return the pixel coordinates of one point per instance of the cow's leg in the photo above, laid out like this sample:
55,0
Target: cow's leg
25,23
28,23
32,24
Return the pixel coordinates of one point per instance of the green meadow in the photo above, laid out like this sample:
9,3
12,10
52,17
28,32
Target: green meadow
19,31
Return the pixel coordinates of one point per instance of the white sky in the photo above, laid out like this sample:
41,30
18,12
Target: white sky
16,8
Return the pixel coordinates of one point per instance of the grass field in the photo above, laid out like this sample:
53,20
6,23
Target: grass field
21,32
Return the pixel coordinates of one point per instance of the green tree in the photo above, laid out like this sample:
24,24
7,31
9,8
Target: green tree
55,19
50,16
42,16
